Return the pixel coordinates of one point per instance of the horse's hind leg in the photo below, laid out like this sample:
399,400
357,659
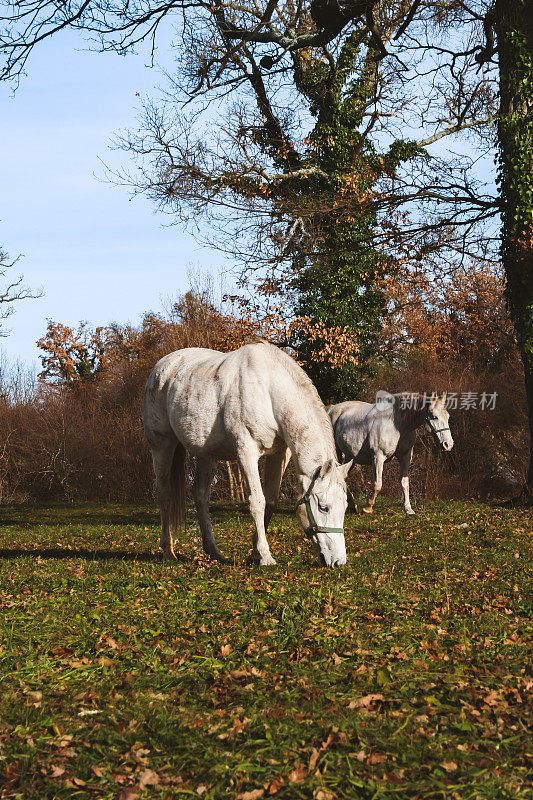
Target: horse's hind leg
378,459
249,460
203,480
275,466
162,456
355,470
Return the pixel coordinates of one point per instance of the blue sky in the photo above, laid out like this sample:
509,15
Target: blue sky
97,254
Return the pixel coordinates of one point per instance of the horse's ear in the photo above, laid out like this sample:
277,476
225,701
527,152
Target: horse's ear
443,398
345,468
326,468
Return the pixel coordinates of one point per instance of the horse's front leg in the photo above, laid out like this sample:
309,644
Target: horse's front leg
405,462
378,459
249,462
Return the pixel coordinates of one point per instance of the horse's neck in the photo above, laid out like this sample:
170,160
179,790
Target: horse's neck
311,452
309,436
411,418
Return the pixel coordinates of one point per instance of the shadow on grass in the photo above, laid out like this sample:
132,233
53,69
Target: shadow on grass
48,515
7,554
51,517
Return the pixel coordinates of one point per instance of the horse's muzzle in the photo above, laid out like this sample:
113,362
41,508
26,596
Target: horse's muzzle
331,562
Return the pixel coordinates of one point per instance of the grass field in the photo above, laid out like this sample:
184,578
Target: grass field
404,674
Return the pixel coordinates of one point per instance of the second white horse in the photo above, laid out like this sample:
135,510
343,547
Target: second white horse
372,434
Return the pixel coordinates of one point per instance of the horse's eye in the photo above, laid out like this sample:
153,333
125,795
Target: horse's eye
322,508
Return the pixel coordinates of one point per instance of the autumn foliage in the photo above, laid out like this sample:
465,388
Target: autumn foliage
77,432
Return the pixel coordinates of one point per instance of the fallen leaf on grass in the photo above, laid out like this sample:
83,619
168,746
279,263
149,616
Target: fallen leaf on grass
61,651
395,777
376,758
449,766
315,754
71,784
106,641
148,778
323,794
366,701
57,772
253,794
37,696
138,753
130,793
298,774
225,650
238,673
494,699
77,663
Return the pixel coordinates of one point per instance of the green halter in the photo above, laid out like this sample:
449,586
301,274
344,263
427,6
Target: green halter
434,431
313,527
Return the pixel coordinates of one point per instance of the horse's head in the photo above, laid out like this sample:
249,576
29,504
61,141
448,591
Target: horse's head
437,421
321,512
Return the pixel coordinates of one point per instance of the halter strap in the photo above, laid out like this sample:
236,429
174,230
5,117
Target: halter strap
434,431
313,527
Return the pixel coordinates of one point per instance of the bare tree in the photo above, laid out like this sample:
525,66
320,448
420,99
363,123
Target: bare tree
12,290
250,79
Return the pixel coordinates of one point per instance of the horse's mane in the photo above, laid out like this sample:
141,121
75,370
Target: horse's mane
420,400
415,398
416,405
304,384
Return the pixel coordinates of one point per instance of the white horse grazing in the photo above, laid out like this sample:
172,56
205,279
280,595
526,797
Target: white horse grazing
373,434
252,402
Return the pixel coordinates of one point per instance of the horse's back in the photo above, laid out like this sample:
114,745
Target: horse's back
353,410
171,376
210,399
350,428
174,365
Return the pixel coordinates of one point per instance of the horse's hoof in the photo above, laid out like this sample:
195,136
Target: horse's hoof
368,509
217,556
168,555
409,511
260,561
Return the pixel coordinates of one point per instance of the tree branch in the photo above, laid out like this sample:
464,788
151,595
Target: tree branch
460,126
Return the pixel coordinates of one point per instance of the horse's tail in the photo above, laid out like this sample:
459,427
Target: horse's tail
178,504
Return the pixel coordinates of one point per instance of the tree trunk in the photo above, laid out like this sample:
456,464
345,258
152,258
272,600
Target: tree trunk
513,22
